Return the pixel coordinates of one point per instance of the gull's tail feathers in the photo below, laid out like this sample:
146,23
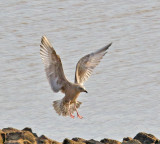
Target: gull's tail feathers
63,108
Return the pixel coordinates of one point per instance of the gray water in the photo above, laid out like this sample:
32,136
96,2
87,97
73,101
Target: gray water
124,89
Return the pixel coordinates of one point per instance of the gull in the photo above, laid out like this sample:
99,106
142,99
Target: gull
58,82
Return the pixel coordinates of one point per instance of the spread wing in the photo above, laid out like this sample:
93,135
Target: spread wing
87,63
53,66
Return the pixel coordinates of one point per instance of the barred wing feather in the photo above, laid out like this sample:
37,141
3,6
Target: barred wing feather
53,65
87,63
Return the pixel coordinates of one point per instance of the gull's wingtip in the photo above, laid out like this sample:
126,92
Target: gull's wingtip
104,48
110,44
45,42
43,37
107,46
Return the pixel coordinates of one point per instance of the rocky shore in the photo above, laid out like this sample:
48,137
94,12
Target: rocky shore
26,136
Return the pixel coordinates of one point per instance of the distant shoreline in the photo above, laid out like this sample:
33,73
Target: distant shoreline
26,136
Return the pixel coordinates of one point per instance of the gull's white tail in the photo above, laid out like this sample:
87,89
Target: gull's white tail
63,109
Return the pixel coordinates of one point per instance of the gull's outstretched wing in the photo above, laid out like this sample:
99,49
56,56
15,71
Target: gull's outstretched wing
87,63
53,66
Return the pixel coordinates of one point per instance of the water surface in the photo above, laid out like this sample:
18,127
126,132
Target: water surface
123,96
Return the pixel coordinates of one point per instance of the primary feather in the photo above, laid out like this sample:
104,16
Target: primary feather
87,63
53,65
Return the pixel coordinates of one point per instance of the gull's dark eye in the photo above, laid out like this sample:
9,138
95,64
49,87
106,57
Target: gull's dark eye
81,88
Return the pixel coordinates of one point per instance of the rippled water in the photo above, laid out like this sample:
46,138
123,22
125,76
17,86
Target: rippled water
124,89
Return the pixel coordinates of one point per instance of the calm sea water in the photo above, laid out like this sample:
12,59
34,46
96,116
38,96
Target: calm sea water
124,90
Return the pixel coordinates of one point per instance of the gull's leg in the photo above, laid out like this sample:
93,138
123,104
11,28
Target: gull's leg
72,116
79,116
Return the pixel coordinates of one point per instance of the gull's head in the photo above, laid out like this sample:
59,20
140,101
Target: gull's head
81,89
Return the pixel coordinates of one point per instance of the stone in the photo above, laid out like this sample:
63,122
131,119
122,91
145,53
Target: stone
27,129
92,141
133,141
26,142
145,138
2,137
10,129
13,135
127,139
110,141
68,141
27,135
79,140
44,140
14,142
30,130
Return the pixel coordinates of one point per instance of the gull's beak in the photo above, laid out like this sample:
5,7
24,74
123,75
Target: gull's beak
85,91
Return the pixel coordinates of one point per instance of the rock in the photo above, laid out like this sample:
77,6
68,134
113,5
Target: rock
127,139
110,141
26,142
79,140
15,142
44,140
68,141
30,130
92,141
10,129
14,135
27,129
2,137
133,141
145,138
26,135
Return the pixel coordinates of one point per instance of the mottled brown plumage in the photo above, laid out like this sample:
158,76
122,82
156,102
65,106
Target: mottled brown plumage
58,82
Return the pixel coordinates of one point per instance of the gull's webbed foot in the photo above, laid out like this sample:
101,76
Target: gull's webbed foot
72,116
79,116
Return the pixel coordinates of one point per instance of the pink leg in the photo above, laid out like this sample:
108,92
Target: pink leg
72,116
79,116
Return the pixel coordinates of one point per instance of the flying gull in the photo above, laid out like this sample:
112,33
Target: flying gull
58,82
